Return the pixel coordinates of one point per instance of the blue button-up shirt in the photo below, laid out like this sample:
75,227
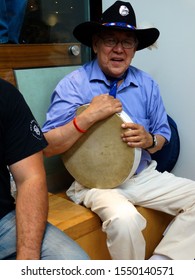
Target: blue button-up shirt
139,95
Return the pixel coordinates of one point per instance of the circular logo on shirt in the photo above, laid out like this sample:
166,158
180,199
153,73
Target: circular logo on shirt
123,11
35,129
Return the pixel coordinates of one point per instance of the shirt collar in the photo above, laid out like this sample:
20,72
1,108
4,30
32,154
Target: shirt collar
131,78
98,75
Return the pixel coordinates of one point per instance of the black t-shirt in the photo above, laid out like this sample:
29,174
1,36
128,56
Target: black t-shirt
20,137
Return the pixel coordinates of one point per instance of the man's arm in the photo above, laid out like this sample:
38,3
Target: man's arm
60,139
31,205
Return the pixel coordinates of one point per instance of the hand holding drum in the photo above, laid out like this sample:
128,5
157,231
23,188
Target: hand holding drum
100,159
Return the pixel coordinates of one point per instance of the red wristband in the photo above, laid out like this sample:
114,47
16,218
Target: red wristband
78,128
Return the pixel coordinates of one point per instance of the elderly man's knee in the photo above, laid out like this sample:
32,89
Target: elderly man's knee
125,220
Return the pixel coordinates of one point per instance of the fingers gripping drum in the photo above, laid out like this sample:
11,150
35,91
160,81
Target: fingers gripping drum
100,159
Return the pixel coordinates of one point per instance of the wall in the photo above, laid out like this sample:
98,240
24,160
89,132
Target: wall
172,66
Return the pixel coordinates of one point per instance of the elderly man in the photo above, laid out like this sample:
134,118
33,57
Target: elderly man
115,40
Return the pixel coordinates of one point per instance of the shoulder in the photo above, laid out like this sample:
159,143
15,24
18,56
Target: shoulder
10,98
7,88
75,78
141,76
79,72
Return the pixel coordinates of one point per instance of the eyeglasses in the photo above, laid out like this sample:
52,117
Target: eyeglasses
112,42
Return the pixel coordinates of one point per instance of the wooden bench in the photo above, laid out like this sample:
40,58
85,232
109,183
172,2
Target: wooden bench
84,226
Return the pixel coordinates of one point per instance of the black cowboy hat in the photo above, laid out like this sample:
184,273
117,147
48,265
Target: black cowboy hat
119,16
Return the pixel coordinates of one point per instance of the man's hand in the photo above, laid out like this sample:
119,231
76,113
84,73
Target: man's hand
136,136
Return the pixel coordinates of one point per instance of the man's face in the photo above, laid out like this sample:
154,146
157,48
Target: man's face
115,51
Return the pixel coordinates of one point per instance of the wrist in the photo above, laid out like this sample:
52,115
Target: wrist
154,141
78,128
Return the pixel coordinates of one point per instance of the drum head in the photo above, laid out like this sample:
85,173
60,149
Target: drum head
100,159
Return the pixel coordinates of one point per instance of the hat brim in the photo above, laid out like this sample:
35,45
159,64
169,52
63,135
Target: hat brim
85,31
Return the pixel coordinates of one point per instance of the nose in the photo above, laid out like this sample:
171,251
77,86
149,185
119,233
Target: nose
118,47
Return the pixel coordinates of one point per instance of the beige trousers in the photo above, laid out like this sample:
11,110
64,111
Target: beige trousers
123,224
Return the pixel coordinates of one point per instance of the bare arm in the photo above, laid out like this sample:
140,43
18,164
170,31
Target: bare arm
31,205
62,138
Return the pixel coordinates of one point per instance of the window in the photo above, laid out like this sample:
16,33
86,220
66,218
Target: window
52,21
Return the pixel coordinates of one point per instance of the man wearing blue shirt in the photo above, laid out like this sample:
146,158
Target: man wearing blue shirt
114,40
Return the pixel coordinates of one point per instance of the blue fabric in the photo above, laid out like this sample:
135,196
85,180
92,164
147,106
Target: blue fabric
138,93
56,245
113,88
11,18
114,83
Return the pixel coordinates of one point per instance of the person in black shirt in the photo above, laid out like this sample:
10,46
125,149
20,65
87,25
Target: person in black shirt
24,230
